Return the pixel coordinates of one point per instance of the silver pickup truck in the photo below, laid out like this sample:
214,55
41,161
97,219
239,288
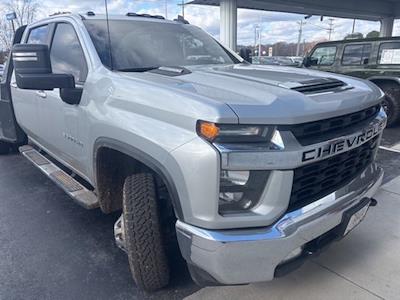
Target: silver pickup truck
249,169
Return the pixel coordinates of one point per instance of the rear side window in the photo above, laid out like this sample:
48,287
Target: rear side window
38,35
389,53
324,56
356,54
66,53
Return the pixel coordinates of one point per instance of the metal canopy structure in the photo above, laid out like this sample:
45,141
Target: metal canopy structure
385,11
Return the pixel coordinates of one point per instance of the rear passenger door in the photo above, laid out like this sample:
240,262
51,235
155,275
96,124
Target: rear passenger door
355,59
26,101
387,62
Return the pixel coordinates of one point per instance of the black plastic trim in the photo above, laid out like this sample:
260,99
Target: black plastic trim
146,159
321,243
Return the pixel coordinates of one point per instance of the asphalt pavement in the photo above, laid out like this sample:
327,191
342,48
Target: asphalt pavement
51,248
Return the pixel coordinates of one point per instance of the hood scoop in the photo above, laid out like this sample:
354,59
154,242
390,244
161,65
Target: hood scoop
318,85
171,71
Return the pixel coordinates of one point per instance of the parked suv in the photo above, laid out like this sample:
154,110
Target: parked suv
377,60
251,169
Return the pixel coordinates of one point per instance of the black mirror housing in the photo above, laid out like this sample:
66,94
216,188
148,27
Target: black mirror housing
31,59
45,82
71,96
33,69
306,61
245,54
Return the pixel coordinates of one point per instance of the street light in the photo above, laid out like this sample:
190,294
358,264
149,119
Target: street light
11,17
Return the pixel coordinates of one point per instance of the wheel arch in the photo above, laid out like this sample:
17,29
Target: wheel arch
379,80
143,160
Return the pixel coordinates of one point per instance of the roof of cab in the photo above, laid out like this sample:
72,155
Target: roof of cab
93,16
366,40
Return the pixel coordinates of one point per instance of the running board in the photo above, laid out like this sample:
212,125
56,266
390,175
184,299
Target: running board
73,188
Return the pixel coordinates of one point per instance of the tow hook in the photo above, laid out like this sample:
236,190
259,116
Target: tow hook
373,202
119,233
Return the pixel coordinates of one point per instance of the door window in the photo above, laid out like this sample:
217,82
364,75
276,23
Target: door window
66,53
38,35
324,56
389,53
356,54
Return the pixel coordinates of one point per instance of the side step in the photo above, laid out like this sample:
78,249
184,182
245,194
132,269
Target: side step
77,191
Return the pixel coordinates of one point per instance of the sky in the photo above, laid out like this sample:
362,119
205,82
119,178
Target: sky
275,26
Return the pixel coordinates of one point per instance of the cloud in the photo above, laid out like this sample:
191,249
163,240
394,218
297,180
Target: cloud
275,26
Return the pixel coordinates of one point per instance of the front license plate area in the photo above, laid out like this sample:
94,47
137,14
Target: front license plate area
354,216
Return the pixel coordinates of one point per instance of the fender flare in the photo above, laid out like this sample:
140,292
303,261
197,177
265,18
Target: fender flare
384,78
147,160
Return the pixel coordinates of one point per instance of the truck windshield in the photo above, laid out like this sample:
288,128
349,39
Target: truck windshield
143,45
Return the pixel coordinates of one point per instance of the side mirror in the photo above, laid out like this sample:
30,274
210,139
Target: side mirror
33,69
306,61
309,61
245,54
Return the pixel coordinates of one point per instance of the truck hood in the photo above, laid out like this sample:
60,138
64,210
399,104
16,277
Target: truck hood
271,94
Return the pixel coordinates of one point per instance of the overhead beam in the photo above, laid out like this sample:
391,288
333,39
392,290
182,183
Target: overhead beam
374,10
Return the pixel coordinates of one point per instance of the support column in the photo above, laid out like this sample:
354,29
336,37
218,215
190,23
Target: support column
386,27
228,23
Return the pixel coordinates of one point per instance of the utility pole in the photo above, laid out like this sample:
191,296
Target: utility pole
354,25
259,42
301,23
330,29
256,27
166,9
182,5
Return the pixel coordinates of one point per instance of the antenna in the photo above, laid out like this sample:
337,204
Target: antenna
109,36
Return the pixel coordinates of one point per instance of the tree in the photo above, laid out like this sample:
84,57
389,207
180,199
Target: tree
355,35
25,10
372,35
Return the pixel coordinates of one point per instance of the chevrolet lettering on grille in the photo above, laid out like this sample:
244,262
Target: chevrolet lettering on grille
344,144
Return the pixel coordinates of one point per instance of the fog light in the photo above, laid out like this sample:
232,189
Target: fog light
240,190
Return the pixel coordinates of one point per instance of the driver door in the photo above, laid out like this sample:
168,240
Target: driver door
60,135
323,58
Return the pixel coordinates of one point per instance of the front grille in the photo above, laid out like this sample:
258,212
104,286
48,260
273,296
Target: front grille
321,178
308,133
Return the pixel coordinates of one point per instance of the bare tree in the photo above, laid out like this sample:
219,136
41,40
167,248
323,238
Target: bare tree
25,10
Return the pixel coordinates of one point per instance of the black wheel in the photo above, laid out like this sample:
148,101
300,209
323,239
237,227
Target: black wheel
5,148
143,239
391,103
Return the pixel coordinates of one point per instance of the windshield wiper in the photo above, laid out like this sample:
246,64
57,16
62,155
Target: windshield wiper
164,70
140,69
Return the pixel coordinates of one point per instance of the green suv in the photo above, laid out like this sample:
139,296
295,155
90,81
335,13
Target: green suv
377,60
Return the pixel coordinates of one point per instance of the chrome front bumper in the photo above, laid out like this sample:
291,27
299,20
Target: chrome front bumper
240,256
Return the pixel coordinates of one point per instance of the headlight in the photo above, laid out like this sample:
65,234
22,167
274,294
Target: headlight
232,133
240,191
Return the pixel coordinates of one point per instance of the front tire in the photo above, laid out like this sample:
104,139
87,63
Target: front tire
391,103
143,239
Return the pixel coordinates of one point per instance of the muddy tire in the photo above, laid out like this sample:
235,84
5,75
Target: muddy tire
144,242
391,103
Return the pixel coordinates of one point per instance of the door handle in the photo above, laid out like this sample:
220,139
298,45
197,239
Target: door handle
14,85
41,94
